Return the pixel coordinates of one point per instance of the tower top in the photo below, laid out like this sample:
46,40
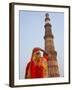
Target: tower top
47,15
47,20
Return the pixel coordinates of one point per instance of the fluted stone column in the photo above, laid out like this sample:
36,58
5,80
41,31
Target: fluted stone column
53,69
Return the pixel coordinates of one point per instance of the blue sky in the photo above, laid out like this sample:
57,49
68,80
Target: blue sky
31,29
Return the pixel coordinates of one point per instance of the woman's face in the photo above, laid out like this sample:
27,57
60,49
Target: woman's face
36,55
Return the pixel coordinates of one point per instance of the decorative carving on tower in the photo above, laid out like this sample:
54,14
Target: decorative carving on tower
53,70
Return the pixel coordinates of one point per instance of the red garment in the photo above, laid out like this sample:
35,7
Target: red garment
36,71
39,73
28,65
33,69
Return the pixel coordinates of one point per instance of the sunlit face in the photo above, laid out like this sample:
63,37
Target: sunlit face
36,55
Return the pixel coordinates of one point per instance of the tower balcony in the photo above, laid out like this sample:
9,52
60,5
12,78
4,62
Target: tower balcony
48,36
47,25
53,53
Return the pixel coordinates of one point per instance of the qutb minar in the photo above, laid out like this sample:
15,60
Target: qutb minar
53,69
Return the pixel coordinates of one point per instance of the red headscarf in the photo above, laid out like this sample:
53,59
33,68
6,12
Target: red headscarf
35,70
33,65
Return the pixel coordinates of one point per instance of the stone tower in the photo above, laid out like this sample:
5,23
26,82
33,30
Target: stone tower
53,70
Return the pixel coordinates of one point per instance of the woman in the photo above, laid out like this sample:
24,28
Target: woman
38,66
